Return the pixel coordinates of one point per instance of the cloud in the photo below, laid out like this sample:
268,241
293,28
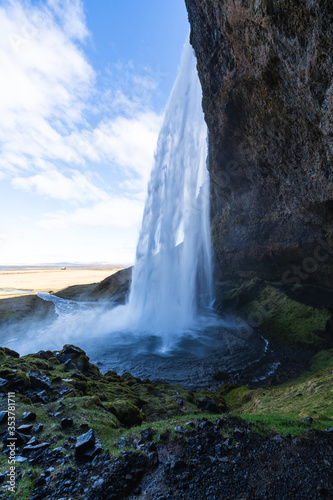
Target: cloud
128,142
48,92
71,16
45,81
56,185
115,212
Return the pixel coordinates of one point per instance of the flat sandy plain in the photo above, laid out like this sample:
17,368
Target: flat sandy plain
13,280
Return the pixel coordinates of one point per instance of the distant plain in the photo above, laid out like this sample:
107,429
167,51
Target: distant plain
16,281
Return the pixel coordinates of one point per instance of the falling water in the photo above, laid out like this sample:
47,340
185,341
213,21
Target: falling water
172,280
167,329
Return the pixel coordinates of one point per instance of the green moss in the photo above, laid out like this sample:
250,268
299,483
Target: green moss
274,424
291,321
127,414
310,395
238,396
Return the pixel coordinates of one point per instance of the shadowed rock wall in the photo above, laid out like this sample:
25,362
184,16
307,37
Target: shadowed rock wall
266,68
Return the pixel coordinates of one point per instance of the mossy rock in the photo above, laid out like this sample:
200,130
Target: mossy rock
89,402
238,396
4,351
210,401
127,414
53,361
291,321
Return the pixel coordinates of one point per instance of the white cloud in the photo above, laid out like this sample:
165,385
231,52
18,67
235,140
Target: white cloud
48,147
45,81
115,212
71,15
56,185
128,142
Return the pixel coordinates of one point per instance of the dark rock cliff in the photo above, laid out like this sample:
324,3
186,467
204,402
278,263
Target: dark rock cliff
266,68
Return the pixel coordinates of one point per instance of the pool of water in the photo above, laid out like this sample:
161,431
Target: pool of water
189,359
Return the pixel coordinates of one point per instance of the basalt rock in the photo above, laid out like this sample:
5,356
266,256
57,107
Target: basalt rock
266,70
114,288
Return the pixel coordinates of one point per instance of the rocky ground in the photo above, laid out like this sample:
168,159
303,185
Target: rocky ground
223,458
84,435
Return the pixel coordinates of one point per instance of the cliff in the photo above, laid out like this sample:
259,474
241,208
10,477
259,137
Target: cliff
266,69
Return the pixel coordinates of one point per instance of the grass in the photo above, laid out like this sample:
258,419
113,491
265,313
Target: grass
277,424
311,395
292,322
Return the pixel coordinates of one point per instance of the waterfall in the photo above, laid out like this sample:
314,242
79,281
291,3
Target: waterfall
172,278
171,292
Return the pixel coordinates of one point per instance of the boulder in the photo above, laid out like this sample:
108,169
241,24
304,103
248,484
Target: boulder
66,423
84,443
25,429
3,417
40,381
29,416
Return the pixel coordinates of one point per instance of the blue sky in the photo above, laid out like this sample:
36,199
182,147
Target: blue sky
83,89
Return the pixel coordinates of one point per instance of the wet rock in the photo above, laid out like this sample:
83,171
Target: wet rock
3,382
32,441
17,384
210,405
67,352
151,447
177,464
147,434
81,364
18,438
124,441
75,359
66,423
204,424
49,471
45,355
237,432
29,416
40,381
164,436
152,459
84,443
91,453
25,429
190,424
38,428
27,450
3,417
40,397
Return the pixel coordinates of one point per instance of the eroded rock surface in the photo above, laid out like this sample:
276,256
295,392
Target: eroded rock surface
266,72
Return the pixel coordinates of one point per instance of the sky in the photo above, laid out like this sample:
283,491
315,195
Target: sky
83,88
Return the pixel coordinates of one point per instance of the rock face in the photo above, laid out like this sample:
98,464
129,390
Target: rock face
114,288
266,68
25,307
